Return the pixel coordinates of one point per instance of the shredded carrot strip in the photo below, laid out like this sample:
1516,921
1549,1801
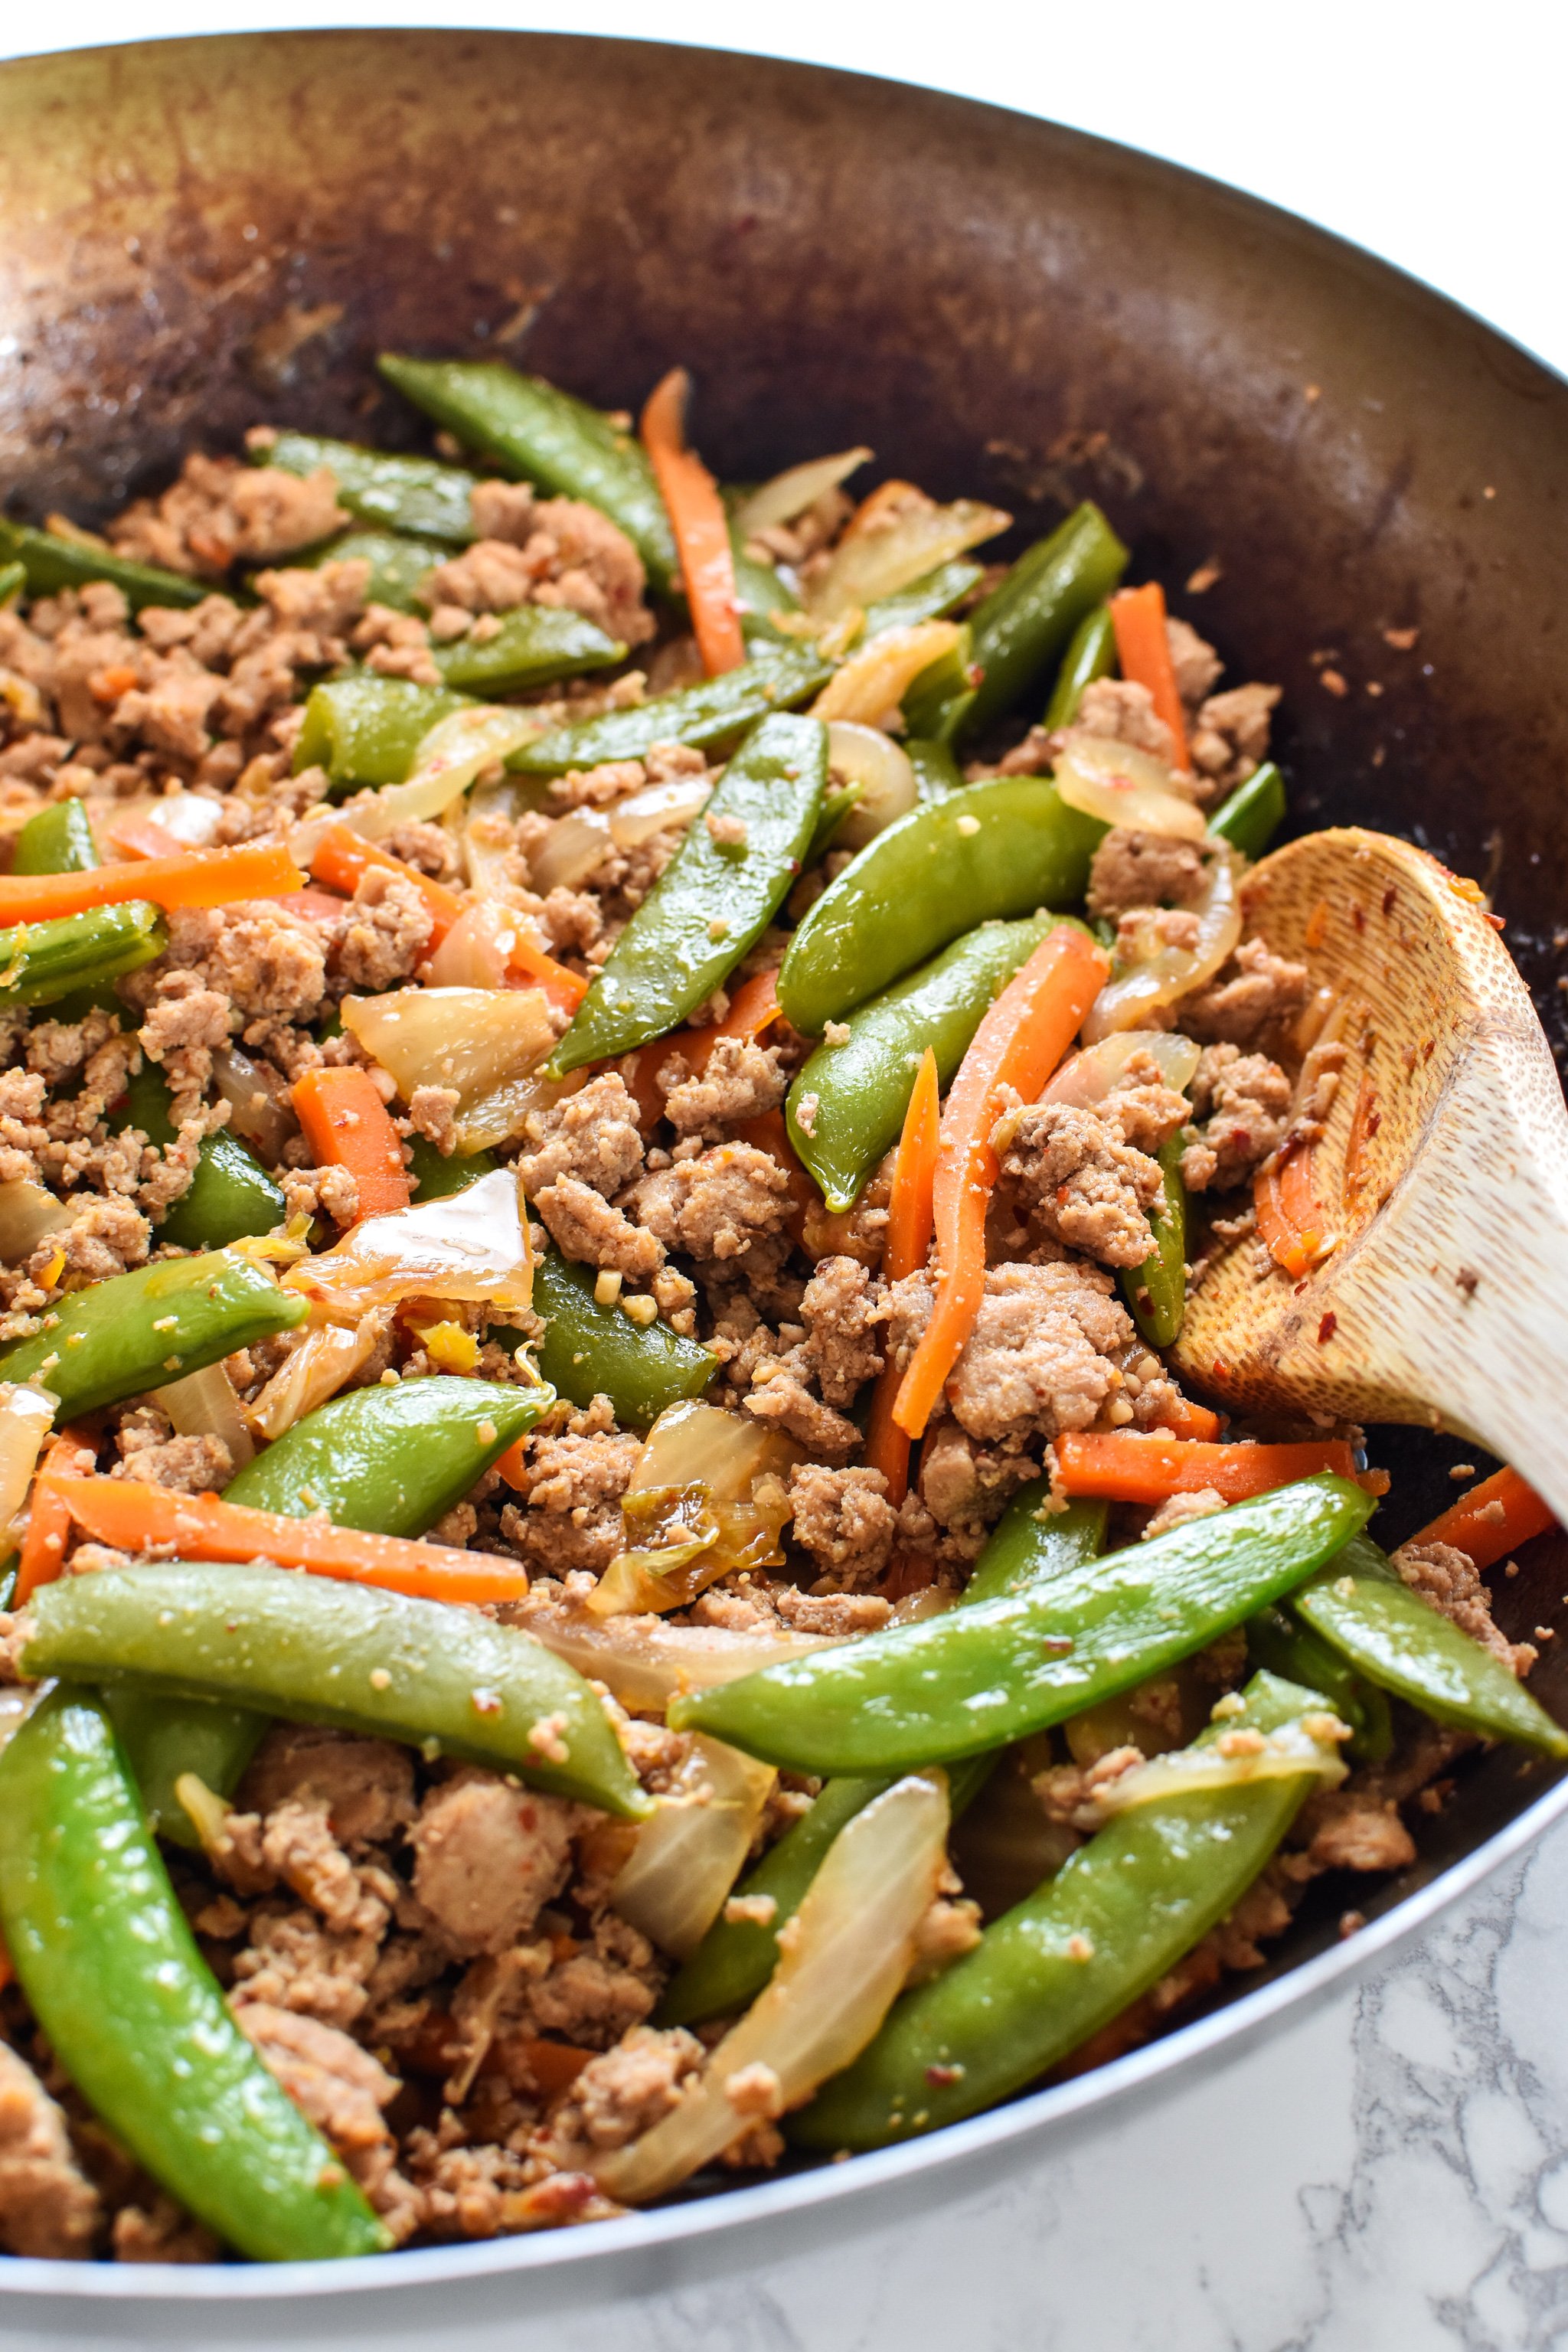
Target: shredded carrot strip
1185,1418
1018,1044
48,1522
554,2066
565,988
911,1213
347,1124
1290,1219
1365,1121
753,1008
1130,1466
1143,656
697,518
1489,1521
135,1517
341,858
312,906
143,836
198,877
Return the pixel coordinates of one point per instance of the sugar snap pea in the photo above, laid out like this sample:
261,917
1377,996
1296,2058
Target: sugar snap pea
534,645
381,486
230,1194
134,2013
319,1651
138,1331
707,716
1156,1291
937,772
590,1350
981,1676
1090,655
1360,1605
42,963
165,1737
398,566
437,1177
52,563
714,899
531,430
927,598
389,1461
1002,848
941,697
1285,1644
366,729
857,1092
59,840
1254,813
13,580
737,1956
1026,622
1119,1914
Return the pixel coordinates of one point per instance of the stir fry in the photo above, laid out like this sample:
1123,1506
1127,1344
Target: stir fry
616,1086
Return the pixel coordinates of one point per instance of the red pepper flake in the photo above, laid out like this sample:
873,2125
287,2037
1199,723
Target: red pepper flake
1327,1328
1467,1280
1358,919
1220,1368
942,2078
1389,896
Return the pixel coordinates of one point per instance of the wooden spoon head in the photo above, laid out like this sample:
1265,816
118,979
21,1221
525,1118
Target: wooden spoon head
1447,1098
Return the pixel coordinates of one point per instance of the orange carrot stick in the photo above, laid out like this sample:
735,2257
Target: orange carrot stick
1143,655
565,988
346,1123
48,1522
341,858
1290,1220
911,1212
1018,1044
1185,1418
697,518
1489,1521
1129,1466
135,1517
143,836
199,877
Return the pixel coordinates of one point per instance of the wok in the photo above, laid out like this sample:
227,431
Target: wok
195,236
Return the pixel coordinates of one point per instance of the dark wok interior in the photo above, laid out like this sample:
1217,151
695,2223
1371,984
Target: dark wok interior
196,236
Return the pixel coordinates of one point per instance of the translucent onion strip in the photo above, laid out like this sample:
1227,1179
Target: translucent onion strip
445,764
574,848
472,1245
845,1957
708,1497
897,536
687,1857
472,1039
25,1416
798,486
325,1361
204,1404
865,756
259,1109
646,1663
1231,1761
1149,974
1126,787
873,682
1088,1077
27,1212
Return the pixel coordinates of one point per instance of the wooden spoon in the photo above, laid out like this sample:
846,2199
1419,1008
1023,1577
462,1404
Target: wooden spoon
1441,1292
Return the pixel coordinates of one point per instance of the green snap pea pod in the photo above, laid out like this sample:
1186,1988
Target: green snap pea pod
165,1737
1006,848
835,806
591,1350
13,580
138,1331
941,698
714,898
862,1088
1023,625
366,729
705,716
59,840
317,1650
1156,1291
397,565
382,488
534,645
1091,655
41,962
937,772
8,1568
229,1196
51,563
132,2010
925,599
760,593
1285,1646
1119,1914
532,429
390,1462
1254,813
1363,1610
736,1957
436,1178
982,1677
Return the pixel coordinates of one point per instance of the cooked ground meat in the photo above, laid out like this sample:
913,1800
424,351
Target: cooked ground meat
1040,1359
546,552
843,1312
487,1855
844,1519
1123,712
716,1206
1250,1000
1448,1579
220,511
1240,1102
1078,1181
1132,870
585,1226
593,1135
742,1079
1230,735
574,1481
47,2205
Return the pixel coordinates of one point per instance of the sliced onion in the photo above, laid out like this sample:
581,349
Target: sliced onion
191,817
502,1113
1305,1745
447,760
1086,1078
798,486
25,1418
27,1212
896,536
1123,786
257,1097
845,1956
204,1404
687,1857
476,951
472,1245
708,1497
646,1663
658,809
470,1038
1150,975
865,756
931,1600
574,847
873,682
